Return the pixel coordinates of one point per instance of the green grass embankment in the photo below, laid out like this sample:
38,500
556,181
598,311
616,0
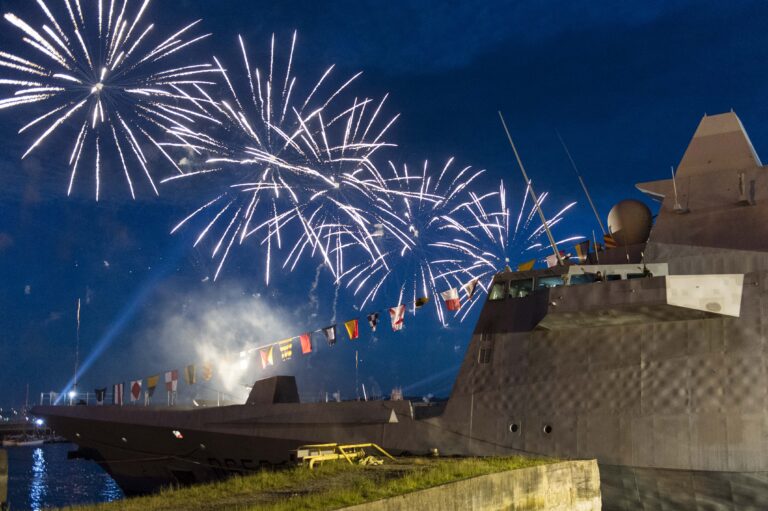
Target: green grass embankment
330,486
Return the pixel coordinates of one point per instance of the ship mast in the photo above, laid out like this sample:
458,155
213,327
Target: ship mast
533,193
583,184
77,349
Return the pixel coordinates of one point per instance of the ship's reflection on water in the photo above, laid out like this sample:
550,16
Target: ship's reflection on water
43,477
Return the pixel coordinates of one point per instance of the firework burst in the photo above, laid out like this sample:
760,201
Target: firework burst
510,235
95,71
420,226
296,168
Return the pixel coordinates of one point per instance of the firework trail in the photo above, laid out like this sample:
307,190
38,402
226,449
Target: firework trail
421,230
94,70
296,167
338,213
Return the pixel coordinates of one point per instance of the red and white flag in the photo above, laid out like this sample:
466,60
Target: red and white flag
135,390
451,297
397,315
171,380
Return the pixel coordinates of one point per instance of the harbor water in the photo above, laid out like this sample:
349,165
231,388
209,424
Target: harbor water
42,477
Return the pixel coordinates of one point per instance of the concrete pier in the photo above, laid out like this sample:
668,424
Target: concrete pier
3,479
565,486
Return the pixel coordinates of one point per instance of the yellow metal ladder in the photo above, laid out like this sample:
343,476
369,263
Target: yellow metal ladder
318,453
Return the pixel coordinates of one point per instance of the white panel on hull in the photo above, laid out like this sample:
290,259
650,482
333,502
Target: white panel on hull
719,294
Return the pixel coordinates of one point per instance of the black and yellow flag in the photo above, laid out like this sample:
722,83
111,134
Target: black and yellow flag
152,382
582,251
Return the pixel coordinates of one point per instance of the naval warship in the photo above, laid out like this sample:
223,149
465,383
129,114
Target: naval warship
649,356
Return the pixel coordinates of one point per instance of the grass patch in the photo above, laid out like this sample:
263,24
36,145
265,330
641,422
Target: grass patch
330,486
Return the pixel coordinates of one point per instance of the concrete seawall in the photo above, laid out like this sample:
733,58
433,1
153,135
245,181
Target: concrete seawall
569,485
3,478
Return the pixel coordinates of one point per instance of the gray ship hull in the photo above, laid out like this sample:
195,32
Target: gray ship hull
144,449
672,402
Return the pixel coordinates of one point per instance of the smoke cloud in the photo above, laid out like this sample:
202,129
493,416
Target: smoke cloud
214,326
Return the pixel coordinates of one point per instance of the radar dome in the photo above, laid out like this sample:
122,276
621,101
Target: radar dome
630,222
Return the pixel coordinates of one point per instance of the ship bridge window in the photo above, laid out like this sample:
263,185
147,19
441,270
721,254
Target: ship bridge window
635,275
547,282
583,278
497,291
612,276
520,288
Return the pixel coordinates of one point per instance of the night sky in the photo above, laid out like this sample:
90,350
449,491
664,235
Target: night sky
624,83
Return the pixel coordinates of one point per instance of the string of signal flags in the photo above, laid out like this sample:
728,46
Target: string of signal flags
138,393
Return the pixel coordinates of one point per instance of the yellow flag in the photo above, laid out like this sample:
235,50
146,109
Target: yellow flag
266,357
207,371
286,348
526,266
189,375
352,329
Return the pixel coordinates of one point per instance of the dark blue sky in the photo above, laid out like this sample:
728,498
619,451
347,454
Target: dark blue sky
624,83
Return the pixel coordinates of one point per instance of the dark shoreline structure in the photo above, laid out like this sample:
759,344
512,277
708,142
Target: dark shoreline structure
658,369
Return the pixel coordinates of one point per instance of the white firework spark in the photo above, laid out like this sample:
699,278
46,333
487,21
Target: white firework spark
296,166
94,70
